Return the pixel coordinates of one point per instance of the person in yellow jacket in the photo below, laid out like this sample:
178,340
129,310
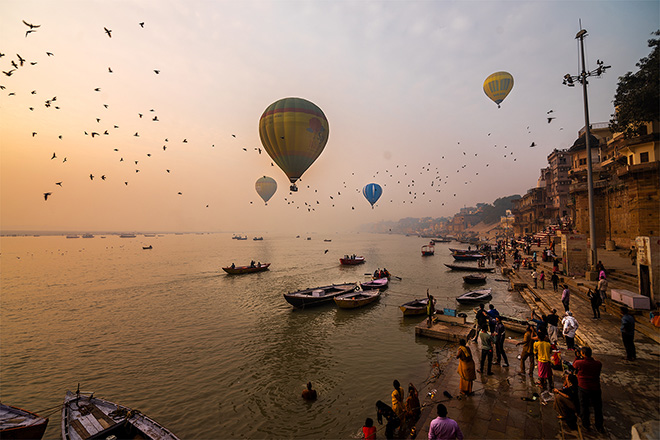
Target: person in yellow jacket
397,399
543,353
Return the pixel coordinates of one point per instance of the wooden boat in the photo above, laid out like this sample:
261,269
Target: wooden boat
87,417
469,268
414,307
353,300
147,247
380,283
318,295
468,257
428,250
327,240
239,270
514,324
257,238
474,279
475,296
351,260
17,423
441,240
460,251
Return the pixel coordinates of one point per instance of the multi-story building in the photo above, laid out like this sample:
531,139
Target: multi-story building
530,211
557,185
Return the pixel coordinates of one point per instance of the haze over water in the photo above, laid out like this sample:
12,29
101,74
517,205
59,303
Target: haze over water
208,355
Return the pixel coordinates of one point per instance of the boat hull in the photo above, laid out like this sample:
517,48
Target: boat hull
415,307
469,268
85,416
239,270
352,261
474,279
380,283
353,300
467,257
475,296
317,296
17,423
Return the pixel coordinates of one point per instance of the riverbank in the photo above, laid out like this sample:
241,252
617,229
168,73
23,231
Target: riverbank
499,407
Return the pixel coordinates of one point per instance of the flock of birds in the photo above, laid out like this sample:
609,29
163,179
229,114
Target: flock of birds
411,186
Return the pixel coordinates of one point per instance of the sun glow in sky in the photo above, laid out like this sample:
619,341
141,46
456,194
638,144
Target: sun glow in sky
399,82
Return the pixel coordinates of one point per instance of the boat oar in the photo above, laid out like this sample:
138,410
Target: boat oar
398,278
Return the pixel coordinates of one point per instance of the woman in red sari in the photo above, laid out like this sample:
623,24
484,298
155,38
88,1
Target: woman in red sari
466,368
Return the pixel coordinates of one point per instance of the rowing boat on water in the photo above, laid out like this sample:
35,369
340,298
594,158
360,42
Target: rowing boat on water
353,300
87,417
380,283
467,257
238,270
17,423
475,296
414,307
351,261
318,295
474,278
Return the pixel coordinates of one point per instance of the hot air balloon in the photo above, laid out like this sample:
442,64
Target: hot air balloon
266,187
497,86
293,132
372,193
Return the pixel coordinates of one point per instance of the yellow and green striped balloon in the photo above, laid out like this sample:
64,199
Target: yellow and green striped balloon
294,132
497,86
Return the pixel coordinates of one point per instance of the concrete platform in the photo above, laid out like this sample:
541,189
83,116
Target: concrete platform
446,328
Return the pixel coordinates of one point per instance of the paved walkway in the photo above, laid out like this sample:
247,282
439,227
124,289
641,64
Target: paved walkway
631,390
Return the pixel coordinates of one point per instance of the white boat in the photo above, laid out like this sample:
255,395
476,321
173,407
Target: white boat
85,417
475,296
20,423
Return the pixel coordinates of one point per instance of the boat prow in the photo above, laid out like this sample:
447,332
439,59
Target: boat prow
87,417
17,423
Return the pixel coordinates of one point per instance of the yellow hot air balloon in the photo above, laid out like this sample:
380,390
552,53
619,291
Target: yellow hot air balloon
497,86
293,132
266,187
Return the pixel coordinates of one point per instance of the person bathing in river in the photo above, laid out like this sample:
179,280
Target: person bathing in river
393,421
309,393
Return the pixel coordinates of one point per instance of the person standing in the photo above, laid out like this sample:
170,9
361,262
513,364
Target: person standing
602,287
492,314
553,322
486,345
413,407
466,367
588,372
482,319
527,351
595,300
566,297
397,399
555,281
500,336
442,427
542,279
628,334
570,326
430,309
535,278
543,353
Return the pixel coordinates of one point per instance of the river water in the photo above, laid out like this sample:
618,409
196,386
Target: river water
209,355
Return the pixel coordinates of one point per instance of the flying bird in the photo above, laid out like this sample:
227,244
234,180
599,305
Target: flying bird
53,157
20,60
50,54
109,70
29,31
157,71
107,31
8,73
30,25
533,145
58,183
141,24
91,177
550,120
46,196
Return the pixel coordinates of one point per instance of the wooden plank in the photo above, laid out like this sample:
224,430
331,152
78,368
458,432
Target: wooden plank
102,418
91,424
79,428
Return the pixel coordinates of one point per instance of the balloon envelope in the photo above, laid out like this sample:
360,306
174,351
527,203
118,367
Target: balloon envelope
372,192
498,85
266,187
293,132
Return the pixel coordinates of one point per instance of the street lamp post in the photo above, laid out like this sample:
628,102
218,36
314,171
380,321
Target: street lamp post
569,81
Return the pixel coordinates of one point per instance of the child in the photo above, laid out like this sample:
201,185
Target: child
369,430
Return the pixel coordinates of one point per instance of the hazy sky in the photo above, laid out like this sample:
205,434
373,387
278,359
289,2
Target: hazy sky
400,83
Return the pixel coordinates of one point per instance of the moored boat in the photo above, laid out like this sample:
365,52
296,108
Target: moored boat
475,296
469,268
351,260
17,423
85,417
514,324
353,300
474,278
380,283
238,270
468,257
257,238
414,307
318,295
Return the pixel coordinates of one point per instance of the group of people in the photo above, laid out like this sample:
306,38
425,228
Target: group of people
378,274
402,415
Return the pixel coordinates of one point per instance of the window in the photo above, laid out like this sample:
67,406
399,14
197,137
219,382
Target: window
583,161
630,159
644,157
